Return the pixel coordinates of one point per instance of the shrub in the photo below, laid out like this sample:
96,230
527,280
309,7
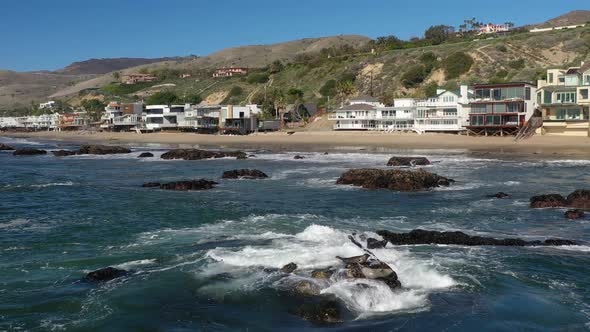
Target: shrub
162,98
457,64
328,89
414,76
235,91
516,64
260,78
502,48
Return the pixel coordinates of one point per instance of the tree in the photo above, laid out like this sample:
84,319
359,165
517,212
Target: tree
438,34
93,107
162,98
329,88
345,89
430,89
294,95
116,75
414,76
276,67
192,99
457,64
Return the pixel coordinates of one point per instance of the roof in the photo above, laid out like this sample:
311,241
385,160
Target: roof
553,88
366,98
357,107
585,67
508,84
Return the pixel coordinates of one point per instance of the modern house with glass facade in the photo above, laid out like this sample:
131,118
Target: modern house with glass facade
564,100
501,109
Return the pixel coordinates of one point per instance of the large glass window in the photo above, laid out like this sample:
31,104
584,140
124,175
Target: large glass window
547,97
569,114
482,93
584,93
477,120
527,93
500,108
513,107
566,97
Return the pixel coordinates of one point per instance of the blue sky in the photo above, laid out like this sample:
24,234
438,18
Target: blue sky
50,34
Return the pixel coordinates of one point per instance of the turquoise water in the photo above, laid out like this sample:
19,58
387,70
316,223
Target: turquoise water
198,258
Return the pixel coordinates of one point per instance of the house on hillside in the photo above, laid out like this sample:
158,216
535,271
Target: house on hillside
564,99
230,71
138,78
501,109
491,28
48,105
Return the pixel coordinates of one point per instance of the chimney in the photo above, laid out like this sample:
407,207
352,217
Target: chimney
464,94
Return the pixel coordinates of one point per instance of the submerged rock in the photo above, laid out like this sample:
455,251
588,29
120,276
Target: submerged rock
28,152
187,185
196,154
289,268
102,149
306,288
579,199
420,236
324,312
500,195
4,147
244,174
145,155
105,274
548,201
574,214
63,153
408,161
398,180
299,157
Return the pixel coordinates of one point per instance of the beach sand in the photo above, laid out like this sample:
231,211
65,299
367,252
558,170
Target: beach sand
578,147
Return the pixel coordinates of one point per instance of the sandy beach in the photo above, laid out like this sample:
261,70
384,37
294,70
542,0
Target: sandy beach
320,141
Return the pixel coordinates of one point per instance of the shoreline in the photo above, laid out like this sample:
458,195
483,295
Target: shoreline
329,141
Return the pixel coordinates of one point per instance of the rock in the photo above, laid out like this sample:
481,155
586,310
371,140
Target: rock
289,268
4,147
63,153
548,201
559,242
325,312
420,236
244,174
187,185
102,149
375,244
105,274
579,199
398,180
500,195
299,157
408,161
145,155
196,154
28,152
574,214
322,274
325,153
306,288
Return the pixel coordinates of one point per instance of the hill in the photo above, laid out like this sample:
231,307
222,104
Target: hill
103,66
572,18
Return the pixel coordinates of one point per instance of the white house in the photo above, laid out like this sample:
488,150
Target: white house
159,117
366,113
239,119
48,105
119,116
448,111
203,118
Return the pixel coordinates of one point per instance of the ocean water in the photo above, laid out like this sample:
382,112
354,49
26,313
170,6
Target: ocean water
199,260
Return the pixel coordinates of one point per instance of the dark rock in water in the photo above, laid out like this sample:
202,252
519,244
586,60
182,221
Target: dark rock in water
500,195
306,288
28,152
299,157
375,244
574,214
4,147
105,274
289,268
187,185
325,312
322,274
244,174
398,180
145,155
420,236
579,199
63,153
102,149
325,153
408,161
548,201
196,154
559,242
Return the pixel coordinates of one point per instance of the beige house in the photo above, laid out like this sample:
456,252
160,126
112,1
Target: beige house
564,100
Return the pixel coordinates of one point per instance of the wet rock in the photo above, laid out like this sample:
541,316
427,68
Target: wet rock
408,161
420,236
574,214
559,242
548,201
299,157
244,174
28,152
306,288
579,199
105,274
398,180
322,313
187,185
500,195
63,153
322,274
289,268
325,153
196,154
375,244
102,149
145,155
4,147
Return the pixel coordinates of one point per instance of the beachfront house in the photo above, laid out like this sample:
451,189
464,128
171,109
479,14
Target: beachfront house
448,111
500,109
239,120
73,121
367,113
122,117
164,117
31,123
564,99
203,118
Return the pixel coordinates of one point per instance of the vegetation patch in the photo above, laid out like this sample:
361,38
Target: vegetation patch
457,64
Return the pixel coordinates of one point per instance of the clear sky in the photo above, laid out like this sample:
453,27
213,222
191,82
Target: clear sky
50,34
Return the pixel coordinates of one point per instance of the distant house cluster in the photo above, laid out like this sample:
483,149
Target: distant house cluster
491,28
138,78
230,71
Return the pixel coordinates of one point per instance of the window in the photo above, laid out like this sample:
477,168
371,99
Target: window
539,98
550,77
450,112
513,107
562,79
482,93
500,108
566,97
477,120
497,94
527,94
584,93
569,114
587,80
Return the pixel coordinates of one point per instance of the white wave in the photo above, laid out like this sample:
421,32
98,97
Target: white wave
44,185
14,223
135,264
